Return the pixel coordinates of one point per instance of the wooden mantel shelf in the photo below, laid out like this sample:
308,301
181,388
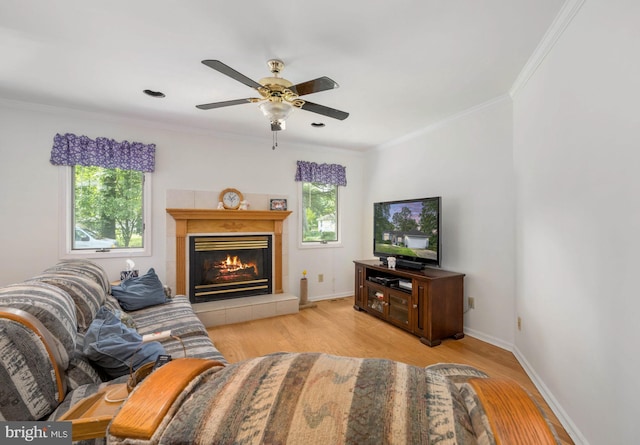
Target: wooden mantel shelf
200,221
274,215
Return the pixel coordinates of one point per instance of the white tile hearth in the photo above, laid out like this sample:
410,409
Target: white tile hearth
237,310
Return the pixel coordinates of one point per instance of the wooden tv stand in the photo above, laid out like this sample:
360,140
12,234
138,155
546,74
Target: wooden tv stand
431,307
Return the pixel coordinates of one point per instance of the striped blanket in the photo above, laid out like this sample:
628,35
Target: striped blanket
313,398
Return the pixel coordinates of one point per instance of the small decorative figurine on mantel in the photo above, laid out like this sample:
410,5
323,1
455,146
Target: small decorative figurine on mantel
244,205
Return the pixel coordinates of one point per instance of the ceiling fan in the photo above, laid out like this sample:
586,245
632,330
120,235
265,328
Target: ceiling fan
278,96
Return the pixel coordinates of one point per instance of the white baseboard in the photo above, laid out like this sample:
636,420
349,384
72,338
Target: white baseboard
489,339
547,395
332,296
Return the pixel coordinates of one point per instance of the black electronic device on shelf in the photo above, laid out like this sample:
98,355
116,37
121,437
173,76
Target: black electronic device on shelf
405,284
385,281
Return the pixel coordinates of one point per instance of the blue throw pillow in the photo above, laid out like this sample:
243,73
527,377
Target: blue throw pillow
139,292
114,347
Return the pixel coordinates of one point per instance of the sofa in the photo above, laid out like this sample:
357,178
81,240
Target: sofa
49,340
316,398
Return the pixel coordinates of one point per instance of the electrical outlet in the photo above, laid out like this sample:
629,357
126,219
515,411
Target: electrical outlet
472,302
519,323
320,277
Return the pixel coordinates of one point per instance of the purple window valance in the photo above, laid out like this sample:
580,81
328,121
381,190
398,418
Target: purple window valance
69,149
333,174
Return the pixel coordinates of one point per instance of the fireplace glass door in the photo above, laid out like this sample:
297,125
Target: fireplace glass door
222,267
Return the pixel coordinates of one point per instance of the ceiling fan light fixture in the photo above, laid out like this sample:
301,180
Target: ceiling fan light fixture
276,112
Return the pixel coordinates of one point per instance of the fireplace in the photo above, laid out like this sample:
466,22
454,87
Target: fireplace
223,267
185,223
194,222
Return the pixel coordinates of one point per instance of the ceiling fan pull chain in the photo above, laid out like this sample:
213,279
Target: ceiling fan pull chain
275,140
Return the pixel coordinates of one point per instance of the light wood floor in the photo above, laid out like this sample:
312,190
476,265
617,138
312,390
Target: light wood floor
334,327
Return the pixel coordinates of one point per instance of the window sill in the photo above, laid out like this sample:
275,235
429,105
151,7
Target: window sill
112,253
318,245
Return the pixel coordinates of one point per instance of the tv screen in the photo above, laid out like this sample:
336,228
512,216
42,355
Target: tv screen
408,230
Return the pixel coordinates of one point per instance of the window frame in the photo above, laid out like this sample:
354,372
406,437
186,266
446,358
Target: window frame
67,227
318,244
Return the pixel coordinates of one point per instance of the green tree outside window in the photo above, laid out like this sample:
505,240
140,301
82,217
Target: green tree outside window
107,204
320,212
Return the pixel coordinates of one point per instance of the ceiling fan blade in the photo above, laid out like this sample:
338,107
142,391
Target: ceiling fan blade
314,86
226,103
227,70
325,111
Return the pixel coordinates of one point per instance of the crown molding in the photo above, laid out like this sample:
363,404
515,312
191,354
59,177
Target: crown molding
568,11
441,123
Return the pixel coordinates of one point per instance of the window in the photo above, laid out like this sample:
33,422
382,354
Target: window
107,212
107,208
319,213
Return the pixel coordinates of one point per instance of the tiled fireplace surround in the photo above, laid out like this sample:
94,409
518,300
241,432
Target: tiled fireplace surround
235,310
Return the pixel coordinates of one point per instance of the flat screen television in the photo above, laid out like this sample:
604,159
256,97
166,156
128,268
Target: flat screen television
408,230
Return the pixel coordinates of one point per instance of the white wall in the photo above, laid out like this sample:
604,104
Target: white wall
466,160
185,159
577,158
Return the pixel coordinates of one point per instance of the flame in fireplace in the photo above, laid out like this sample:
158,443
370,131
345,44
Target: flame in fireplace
229,268
232,264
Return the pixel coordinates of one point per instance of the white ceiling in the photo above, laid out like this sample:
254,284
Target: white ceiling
401,65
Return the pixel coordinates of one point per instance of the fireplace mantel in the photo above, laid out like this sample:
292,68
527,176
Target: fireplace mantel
189,221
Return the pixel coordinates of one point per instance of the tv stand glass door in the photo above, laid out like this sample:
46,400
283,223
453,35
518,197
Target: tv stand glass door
399,313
